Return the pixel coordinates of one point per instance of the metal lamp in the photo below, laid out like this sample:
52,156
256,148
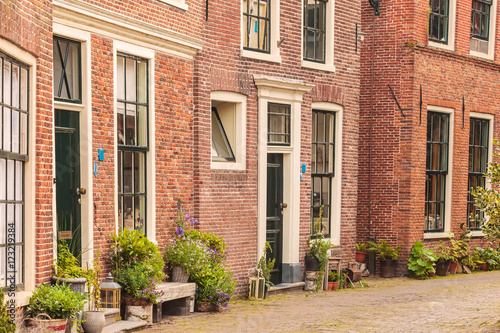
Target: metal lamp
110,293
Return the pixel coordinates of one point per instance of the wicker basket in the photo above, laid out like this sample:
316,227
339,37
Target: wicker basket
38,324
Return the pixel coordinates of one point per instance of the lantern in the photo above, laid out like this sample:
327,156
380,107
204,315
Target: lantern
110,293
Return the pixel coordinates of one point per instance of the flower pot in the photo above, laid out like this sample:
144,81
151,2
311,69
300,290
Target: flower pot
76,284
453,267
335,286
431,273
204,306
39,324
388,268
442,268
179,274
484,266
330,285
360,257
137,309
93,321
311,263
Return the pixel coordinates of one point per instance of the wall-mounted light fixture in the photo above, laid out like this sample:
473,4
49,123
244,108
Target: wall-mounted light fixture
374,4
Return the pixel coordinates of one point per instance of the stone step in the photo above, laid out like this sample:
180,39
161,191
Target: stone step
175,290
112,316
125,326
285,288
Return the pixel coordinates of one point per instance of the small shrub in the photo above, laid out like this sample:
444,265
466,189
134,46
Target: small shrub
6,324
58,301
421,260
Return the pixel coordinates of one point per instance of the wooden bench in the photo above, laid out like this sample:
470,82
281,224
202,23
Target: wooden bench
175,301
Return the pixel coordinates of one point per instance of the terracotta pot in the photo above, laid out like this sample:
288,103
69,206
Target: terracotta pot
311,263
360,257
93,321
48,324
388,268
179,274
335,286
330,285
484,266
431,274
442,268
453,267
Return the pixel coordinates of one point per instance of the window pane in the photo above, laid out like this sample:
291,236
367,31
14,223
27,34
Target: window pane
6,82
313,158
120,77
127,172
128,207
3,224
6,129
140,211
221,147
321,127
10,179
120,120
130,125
325,193
143,125
130,77
19,223
73,70
139,163
142,81
3,180
24,134
24,89
19,181
3,267
15,86
15,131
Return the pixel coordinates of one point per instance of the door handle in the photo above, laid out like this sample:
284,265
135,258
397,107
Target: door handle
283,205
81,191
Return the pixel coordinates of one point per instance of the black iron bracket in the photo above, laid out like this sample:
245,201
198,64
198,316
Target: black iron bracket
374,4
396,99
421,105
463,111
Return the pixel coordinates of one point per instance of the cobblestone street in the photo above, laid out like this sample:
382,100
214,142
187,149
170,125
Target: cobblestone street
458,303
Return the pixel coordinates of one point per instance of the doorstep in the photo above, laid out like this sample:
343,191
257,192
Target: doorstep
285,288
125,326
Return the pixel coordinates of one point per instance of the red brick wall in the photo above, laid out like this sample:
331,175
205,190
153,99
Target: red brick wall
29,27
226,201
392,163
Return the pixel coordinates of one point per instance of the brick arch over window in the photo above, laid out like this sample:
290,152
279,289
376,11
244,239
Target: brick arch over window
231,81
328,93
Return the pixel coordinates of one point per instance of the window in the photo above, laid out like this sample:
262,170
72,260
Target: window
314,30
479,138
482,22
221,148
67,70
14,112
256,22
278,121
439,21
132,138
438,125
322,169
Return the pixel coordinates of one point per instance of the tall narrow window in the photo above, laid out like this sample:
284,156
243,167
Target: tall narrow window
221,148
133,144
257,25
480,25
322,169
67,70
438,125
314,30
278,131
478,165
439,20
14,111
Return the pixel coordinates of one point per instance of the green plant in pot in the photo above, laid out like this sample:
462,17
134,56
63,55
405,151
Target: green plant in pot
51,306
67,269
333,280
6,323
388,257
93,320
361,252
444,258
421,261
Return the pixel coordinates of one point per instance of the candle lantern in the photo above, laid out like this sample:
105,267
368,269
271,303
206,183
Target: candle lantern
110,293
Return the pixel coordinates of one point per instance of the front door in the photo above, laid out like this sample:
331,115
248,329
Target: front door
68,190
274,229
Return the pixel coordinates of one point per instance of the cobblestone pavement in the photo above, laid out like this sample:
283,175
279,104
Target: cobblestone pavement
458,303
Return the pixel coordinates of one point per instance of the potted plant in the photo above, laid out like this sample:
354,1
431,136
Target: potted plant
93,320
6,322
443,254
137,266
388,257
361,252
67,269
459,250
333,281
317,254
214,289
260,277
421,260
490,258
52,306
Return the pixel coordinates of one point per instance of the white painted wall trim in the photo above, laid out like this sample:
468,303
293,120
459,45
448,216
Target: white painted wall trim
87,17
492,30
451,29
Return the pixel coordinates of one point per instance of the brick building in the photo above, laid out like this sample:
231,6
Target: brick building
111,110
441,60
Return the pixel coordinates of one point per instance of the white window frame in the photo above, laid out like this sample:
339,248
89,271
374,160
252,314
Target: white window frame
181,4
22,297
491,118
449,176
132,49
274,54
239,130
491,40
336,194
451,29
329,65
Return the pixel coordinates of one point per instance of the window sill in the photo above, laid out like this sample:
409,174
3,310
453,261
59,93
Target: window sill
178,4
486,56
318,66
22,298
442,46
261,56
476,233
437,235
228,166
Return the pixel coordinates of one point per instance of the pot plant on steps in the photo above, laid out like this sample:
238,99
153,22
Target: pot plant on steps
388,257
51,307
421,261
93,319
316,256
67,269
361,252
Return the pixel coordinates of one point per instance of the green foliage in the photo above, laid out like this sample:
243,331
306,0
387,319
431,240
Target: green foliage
384,250
58,301
213,241
137,282
191,254
132,248
67,266
459,249
6,324
333,276
490,256
488,200
361,247
216,287
266,265
443,252
318,248
421,260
